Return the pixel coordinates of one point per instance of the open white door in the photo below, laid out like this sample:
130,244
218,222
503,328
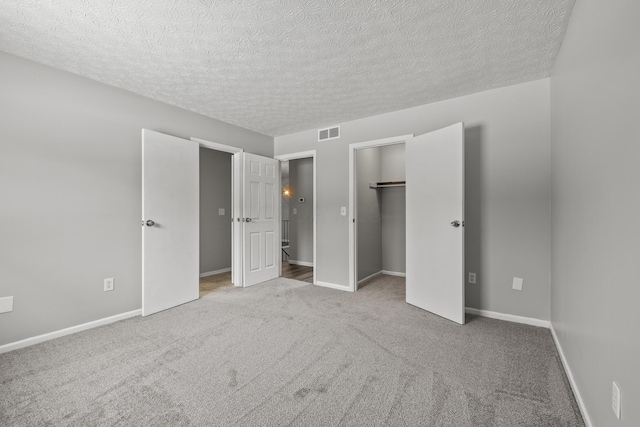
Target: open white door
435,222
170,215
261,219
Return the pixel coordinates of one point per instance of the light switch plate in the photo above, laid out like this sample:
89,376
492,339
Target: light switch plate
517,283
343,210
221,211
6,304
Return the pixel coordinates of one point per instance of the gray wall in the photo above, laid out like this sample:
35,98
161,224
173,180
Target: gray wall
507,190
393,228
368,207
393,212
301,223
215,194
70,191
595,102
392,163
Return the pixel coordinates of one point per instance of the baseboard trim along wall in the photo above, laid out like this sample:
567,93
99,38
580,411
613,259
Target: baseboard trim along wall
509,317
332,286
211,273
68,331
572,381
394,273
302,263
370,277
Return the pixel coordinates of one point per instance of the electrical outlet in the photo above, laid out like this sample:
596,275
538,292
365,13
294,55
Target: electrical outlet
517,284
108,284
616,400
472,278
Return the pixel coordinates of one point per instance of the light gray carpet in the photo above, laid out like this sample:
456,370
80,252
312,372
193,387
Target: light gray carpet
290,353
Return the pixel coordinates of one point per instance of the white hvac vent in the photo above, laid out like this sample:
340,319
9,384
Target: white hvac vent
328,133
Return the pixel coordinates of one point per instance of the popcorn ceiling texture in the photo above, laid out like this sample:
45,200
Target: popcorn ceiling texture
283,66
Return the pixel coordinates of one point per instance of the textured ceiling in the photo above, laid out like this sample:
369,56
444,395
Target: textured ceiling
288,65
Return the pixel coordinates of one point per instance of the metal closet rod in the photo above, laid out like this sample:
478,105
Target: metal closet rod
387,184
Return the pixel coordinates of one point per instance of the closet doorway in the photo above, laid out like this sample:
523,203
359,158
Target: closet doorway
215,220
298,216
380,213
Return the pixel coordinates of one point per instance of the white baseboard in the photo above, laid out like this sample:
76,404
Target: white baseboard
302,263
572,381
394,273
68,331
332,286
509,317
370,277
211,273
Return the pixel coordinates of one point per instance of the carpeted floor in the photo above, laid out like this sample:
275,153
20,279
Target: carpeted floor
290,353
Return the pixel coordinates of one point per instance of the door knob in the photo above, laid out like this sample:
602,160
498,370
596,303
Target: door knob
248,219
455,224
150,223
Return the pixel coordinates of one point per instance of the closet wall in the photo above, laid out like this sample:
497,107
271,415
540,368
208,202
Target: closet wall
381,212
215,225
392,202
368,221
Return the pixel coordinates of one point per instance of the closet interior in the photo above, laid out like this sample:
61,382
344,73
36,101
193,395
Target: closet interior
380,211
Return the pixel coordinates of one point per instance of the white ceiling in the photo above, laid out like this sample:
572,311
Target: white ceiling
282,66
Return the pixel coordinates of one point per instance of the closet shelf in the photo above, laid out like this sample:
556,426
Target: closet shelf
387,184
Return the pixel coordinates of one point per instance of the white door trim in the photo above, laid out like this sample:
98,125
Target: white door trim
236,205
217,146
305,155
353,229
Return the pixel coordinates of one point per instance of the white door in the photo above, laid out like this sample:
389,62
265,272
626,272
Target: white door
170,227
435,222
261,206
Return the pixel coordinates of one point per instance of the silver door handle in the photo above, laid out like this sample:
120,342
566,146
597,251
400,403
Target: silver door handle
149,223
455,224
248,219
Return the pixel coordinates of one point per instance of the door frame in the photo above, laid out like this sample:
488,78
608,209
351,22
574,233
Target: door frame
236,205
305,155
353,226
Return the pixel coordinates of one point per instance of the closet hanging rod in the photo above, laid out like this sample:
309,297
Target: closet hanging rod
387,184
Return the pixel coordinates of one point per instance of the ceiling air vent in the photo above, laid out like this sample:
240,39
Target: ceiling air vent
328,133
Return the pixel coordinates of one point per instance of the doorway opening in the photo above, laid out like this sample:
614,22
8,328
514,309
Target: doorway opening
380,215
215,220
298,216
367,193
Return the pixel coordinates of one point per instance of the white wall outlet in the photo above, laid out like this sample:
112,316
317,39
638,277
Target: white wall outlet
108,284
221,211
472,278
517,284
343,210
616,400
6,304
